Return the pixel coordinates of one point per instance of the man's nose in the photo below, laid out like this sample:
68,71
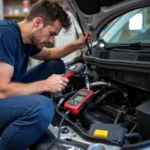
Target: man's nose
51,40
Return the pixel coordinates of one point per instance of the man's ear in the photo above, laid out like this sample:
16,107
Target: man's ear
38,23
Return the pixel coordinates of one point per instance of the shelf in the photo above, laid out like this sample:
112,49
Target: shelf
6,16
37,0
59,1
22,16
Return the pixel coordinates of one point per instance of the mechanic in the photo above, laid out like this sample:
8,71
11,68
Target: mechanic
25,113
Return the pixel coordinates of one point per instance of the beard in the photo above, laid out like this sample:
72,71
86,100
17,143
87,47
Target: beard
35,42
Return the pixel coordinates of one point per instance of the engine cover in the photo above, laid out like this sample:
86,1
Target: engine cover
95,117
143,118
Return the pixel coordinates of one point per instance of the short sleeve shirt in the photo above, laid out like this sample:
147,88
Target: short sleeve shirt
12,49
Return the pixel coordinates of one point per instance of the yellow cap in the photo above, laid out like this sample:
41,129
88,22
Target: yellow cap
101,133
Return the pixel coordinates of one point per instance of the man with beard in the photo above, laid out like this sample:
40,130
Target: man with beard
24,112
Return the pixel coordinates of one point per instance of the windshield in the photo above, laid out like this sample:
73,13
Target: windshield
129,28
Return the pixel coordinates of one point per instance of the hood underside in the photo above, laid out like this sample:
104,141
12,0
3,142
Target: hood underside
95,14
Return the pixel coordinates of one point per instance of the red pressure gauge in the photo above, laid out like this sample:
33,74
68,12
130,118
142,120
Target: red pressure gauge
78,101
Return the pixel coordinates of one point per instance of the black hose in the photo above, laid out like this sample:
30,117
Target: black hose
138,146
136,135
104,96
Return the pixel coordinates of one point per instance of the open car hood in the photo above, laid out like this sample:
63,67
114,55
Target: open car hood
95,14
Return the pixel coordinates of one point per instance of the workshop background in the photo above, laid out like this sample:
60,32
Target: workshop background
17,9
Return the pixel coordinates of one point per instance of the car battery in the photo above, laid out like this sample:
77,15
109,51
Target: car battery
113,132
143,118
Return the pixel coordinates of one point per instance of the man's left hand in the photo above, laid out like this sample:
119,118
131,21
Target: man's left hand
83,40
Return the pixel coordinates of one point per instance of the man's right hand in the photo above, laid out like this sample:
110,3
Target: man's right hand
56,83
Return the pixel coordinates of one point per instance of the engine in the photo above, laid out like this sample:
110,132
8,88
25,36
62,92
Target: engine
115,107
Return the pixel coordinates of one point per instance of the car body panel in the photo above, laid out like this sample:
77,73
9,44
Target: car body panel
95,14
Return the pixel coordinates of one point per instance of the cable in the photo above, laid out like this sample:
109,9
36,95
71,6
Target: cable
89,49
118,117
59,130
64,98
133,128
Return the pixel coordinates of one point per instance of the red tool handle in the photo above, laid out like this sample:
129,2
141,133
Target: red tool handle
69,75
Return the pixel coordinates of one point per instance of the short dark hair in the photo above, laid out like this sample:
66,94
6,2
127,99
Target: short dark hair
50,11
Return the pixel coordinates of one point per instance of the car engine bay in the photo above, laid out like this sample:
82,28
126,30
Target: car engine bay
96,112
117,110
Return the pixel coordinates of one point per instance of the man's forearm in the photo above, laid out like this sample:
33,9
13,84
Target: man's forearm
59,52
16,89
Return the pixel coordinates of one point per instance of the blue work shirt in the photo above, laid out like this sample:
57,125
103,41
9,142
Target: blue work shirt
12,49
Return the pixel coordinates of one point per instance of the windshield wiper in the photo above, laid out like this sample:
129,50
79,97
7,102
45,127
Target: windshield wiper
133,46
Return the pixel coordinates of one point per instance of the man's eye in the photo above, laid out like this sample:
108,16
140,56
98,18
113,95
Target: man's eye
51,34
